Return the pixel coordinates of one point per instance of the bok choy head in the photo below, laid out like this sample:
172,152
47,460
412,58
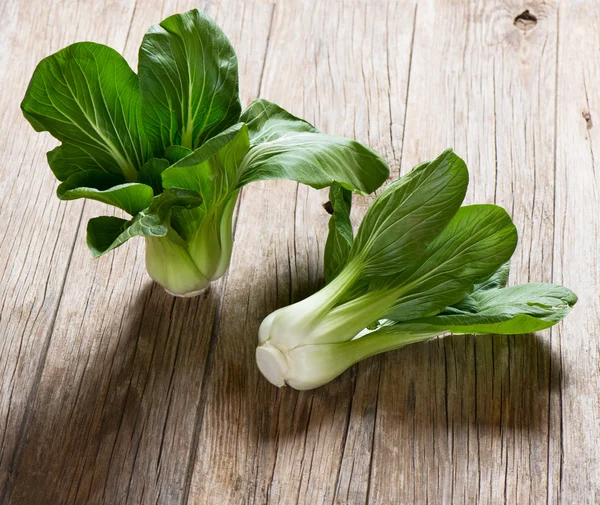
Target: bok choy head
171,146
420,266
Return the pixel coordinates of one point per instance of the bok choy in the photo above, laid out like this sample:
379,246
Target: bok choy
171,146
420,266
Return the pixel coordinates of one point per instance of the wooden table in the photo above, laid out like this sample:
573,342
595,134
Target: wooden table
113,392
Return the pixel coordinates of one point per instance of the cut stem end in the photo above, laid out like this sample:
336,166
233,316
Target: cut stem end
272,364
191,294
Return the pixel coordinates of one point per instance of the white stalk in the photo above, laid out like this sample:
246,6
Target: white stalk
311,342
187,268
170,265
310,366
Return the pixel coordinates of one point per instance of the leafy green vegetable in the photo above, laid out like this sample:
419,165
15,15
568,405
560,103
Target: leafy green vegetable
150,173
285,147
132,198
498,279
171,147
87,96
420,266
189,81
517,309
477,240
104,233
409,214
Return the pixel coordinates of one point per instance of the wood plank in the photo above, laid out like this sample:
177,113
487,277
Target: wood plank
577,253
114,418
466,420
396,43
113,392
334,65
37,232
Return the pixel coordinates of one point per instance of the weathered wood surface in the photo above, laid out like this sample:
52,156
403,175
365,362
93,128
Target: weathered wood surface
113,392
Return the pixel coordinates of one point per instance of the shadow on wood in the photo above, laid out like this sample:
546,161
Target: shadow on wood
121,431
487,380
132,429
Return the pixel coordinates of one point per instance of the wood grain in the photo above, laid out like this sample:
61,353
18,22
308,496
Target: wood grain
577,253
459,419
113,392
112,422
37,233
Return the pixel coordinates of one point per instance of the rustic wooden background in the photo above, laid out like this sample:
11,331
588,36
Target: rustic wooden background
113,392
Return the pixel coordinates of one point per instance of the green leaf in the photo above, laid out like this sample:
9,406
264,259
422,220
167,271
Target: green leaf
151,171
268,122
106,232
409,214
102,232
99,186
95,179
340,237
188,80
285,147
87,96
172,198
478,240
213,169
509,311
498,279
176,153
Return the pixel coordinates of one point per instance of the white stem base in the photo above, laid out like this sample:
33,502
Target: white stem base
272,364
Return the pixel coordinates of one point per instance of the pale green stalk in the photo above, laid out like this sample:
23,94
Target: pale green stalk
312,365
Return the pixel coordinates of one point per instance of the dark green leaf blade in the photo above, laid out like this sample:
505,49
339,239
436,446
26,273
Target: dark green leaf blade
409,214
188,80
89,179
268,122
285,147
498,279
100,186
213,169
509,311
340,237
475,243
151,171
87,96
176,153
102,232
172,198
105,233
